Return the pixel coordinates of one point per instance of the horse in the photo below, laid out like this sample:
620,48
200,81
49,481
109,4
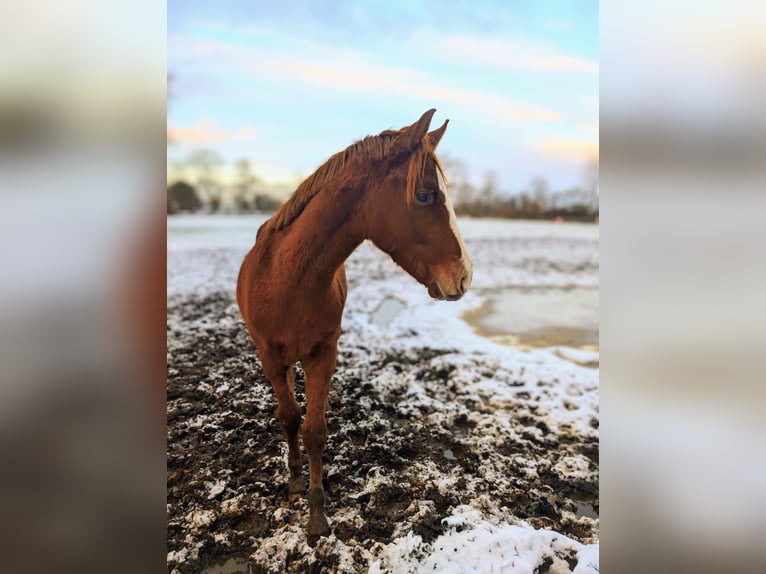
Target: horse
291,289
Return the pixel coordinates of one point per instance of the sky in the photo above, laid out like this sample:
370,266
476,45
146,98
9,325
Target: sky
288,84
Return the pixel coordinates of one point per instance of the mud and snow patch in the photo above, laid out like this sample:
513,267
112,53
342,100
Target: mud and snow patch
200,518
436,434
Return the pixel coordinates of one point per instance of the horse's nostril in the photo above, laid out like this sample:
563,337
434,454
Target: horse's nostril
465,280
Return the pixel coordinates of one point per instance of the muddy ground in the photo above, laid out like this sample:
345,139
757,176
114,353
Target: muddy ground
392,464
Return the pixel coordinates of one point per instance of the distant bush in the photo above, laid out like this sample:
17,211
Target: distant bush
183,197
523,206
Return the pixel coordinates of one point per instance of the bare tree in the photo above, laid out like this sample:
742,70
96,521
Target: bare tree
460,188
245,185
207,164
590,182
180,170
541,191
488,192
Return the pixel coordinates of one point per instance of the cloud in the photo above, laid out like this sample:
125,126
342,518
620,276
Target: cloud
507,54
566,149
206,132
384,79
489,103
349,71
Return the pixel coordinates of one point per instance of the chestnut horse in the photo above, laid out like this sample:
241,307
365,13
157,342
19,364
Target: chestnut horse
292,285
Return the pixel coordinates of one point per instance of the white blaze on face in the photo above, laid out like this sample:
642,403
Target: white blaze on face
453,225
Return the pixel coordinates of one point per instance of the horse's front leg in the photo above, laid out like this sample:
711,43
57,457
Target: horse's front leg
289,416
318,368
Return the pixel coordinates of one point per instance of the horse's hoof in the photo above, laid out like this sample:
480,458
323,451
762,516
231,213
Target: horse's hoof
296,485
318,527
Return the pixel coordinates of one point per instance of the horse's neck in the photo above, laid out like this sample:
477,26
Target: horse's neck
326,233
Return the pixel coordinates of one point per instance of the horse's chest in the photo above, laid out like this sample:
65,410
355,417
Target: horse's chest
297,324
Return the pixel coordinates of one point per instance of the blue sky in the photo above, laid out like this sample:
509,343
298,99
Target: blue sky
287,84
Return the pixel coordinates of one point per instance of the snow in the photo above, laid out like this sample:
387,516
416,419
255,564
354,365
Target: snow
215,488
204,254
477,544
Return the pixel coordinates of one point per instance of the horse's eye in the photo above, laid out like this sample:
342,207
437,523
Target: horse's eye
424,198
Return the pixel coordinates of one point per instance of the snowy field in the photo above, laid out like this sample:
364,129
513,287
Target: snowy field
452,447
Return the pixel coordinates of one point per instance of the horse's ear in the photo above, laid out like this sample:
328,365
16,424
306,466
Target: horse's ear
436,136
413,135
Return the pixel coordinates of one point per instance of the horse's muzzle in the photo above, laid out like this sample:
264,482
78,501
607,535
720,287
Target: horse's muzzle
442,293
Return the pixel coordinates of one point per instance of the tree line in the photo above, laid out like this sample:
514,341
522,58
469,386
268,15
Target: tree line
537,200
200,187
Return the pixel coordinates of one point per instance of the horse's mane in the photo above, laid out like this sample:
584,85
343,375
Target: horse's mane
371,148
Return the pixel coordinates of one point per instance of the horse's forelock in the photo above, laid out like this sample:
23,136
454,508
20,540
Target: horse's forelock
417,166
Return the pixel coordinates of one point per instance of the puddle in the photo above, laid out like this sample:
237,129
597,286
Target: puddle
539,317
586,509
588,360
388,310
584,505
228,565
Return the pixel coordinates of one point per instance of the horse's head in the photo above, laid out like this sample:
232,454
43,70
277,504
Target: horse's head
411,217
